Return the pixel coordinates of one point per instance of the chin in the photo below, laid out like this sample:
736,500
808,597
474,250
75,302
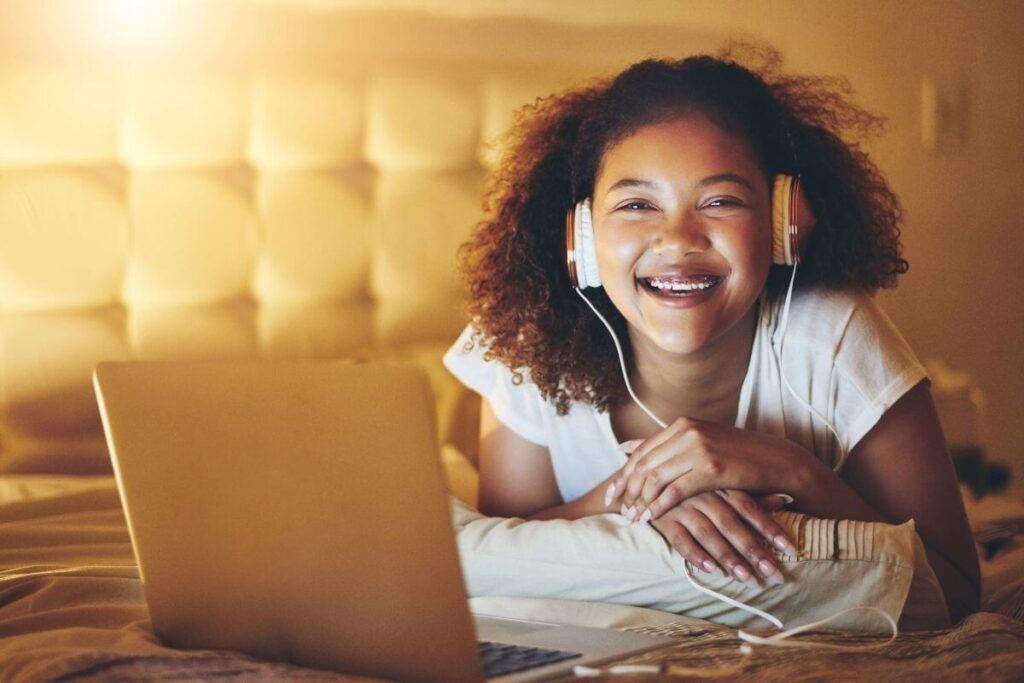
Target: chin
679,344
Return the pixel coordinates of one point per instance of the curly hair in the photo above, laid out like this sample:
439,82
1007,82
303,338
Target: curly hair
521,303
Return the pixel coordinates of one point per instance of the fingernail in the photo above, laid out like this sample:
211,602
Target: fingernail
786,498
709,567
767,568
645,517
741,573
609,495
631,513
783,544
630,446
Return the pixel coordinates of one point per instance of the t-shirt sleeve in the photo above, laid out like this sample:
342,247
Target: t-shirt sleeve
518,406
874,368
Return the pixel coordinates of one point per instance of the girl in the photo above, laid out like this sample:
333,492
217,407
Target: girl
732,394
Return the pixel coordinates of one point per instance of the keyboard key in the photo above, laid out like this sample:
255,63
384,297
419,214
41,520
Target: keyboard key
501,658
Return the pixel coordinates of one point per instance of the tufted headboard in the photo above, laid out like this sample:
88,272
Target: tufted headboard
299,192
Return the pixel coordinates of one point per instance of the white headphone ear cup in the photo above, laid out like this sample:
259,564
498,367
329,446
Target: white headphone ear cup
586,252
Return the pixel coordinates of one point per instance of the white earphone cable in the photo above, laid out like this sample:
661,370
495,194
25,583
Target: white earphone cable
783,324
622,361
781,639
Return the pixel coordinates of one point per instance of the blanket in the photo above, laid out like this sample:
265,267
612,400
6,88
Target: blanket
72,608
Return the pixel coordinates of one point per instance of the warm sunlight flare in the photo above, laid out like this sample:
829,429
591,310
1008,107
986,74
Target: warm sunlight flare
133,25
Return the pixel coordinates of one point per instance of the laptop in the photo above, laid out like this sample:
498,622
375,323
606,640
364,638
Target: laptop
296,511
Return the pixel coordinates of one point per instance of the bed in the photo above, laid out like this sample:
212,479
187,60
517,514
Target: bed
72,609
298,193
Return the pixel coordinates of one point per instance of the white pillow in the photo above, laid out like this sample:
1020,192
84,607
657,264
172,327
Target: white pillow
605,558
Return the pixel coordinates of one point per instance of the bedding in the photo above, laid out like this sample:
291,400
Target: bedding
72,608
839,565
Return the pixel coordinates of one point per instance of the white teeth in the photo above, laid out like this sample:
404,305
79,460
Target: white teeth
689,286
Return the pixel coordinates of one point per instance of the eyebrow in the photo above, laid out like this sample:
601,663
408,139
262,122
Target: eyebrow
633,182
710,180
726,178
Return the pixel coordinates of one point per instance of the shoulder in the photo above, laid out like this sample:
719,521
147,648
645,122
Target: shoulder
846,351
515,400
826,318
846,334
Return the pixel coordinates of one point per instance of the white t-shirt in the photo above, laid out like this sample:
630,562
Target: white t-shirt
841,353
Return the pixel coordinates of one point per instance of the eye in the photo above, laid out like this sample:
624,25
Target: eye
633,205
722,206
722,202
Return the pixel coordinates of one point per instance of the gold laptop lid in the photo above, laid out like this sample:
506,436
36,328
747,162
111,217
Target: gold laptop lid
293,511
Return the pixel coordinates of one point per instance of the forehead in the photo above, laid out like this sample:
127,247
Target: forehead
686,145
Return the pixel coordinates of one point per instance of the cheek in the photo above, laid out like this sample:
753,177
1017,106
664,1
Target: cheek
751,251
617,255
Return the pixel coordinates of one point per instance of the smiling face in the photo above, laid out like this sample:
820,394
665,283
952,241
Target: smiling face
681,224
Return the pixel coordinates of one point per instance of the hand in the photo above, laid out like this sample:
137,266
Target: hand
715,531
691,457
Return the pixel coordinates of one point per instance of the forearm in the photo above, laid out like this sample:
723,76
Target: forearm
820,492
587,505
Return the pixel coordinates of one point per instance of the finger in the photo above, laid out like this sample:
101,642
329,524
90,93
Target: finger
686,485
773,501
618,483
760,520
638,451
658,482
650,443
649,454
631,488
652,472
684,544
628,447
740,535
710,538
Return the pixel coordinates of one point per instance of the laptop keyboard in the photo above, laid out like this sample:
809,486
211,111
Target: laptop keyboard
500,659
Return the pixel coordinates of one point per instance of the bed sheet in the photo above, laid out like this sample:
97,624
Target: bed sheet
72,608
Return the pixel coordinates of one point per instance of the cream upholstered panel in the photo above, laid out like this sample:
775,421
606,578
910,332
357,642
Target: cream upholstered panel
421,123
63,238
180,214
421,220
183,118
305,121
64,115
315,237
193,238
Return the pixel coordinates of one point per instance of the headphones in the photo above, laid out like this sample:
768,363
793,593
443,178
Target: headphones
792,223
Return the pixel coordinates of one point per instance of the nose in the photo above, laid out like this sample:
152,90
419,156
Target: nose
681,235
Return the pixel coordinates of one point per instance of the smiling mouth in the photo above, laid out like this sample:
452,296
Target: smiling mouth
679,286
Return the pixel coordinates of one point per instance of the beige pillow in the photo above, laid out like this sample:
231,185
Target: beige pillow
605,558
